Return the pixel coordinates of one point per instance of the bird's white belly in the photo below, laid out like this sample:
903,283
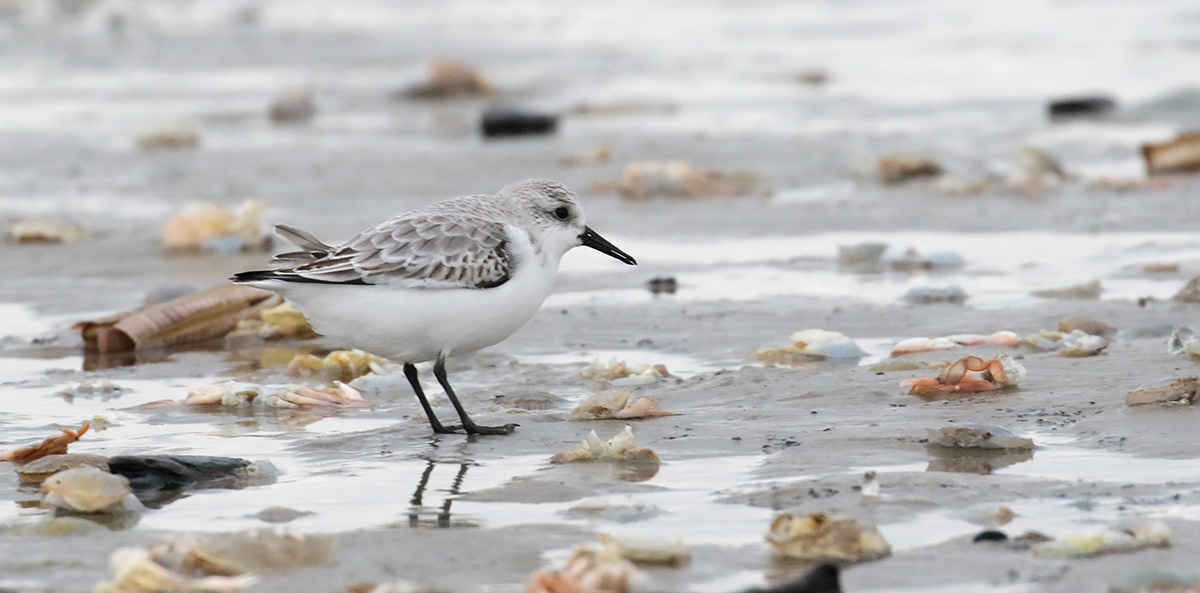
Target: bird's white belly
414,325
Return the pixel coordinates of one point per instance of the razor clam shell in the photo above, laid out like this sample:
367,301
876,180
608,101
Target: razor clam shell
190,318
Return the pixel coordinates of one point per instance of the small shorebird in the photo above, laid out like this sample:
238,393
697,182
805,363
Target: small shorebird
451,278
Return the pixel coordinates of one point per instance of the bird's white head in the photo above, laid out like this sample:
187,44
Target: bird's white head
555,219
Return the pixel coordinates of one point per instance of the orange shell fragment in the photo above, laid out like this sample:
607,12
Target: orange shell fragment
992,375
55,445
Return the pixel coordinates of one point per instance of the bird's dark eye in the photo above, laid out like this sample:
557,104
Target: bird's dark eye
562,213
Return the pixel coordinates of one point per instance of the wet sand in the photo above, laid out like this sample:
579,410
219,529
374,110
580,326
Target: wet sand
478,514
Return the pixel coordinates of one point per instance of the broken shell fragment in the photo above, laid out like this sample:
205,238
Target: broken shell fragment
235,394
977,436
649,549
45,230
1180,155
339,365
622,447
171,137
679,179
898,168
1190,293
1086,325
818,537
991,374
600,154
621,373
812,345
446,79
88,490
828,344
1151,534
214,227
193,317
595,568
911,345
1170,390
1086,291
607,405
55,445
1084,345
35,472
138,570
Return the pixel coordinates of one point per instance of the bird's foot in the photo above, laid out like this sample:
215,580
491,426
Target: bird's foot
450,429
477,429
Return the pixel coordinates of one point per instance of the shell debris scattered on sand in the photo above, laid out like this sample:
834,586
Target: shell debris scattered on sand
53,445
616,405
1190,293
592,568
88,490
339,365
911,345
214,227
970,374
1074,344
809,345
977,436
622,447
622,374
659,549
140,570
818,536
600,154
1114,540
237,394
1169,390
193,317
1183,342
46,230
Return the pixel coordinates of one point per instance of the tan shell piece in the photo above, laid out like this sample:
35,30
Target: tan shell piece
818,536
622,447
85,489
1182,390
46,230
193,317
1180,155
37,471
607,405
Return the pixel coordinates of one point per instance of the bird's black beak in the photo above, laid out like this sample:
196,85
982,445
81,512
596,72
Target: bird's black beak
589,238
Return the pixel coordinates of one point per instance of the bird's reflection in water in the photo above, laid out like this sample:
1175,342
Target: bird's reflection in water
421,514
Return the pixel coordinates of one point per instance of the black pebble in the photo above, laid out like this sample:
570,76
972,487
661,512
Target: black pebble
503,121
822,579
165,472
990,535
663,285
1084,105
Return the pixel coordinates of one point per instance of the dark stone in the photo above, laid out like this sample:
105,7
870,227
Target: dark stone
169,472
503,121
663,285
1083,105
990,535
822,579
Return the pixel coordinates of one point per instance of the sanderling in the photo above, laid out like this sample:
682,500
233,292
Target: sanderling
451,278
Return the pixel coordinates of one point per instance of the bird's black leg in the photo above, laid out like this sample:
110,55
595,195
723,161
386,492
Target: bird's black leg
439,371
410,371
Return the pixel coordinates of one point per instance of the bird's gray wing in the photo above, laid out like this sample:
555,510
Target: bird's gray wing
417,250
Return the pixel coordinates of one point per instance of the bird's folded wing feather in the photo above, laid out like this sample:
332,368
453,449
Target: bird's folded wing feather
418,250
